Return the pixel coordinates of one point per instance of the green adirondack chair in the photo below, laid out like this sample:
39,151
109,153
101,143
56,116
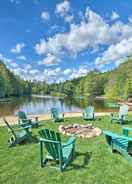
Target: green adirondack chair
61,153
120,143
121,117
56,115
89,114
24,121
18,134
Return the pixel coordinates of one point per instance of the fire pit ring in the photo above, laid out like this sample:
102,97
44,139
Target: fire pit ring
83,131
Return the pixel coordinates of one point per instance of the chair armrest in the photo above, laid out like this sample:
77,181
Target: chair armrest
46,140
114,114
34,117
69,142
21,128
26,119
25,125
127,128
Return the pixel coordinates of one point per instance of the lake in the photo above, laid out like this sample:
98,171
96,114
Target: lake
42,105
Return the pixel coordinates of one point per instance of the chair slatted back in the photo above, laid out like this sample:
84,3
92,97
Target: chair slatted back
55,112
123,111
90,111
22,116
52,142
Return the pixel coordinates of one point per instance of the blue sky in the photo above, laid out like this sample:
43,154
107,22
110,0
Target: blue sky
59,40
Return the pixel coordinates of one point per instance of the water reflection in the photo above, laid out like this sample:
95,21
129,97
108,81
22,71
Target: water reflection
42,105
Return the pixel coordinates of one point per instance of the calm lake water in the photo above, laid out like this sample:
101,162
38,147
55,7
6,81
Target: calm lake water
37,105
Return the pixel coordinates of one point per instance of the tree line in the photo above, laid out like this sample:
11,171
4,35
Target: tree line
11,85
113,84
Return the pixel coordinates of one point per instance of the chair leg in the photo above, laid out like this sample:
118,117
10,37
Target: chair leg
41,153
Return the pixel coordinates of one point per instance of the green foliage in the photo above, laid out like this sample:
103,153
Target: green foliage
114,84
128,88
11,85
120,81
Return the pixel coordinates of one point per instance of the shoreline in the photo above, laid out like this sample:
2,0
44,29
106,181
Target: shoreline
13,119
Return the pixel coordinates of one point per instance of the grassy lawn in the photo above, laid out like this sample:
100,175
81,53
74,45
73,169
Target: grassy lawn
93,164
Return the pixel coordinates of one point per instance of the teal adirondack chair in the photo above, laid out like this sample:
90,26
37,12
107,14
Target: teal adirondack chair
56,115
120,143
121,117
24,121
18,134
89,114
61,153
126,131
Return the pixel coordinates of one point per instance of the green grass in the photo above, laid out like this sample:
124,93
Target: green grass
93,164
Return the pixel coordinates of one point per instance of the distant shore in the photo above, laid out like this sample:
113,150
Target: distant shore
45,96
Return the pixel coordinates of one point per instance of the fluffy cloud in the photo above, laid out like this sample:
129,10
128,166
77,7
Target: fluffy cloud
68,18
60,75
89,34
14,65
5,59
34,71
67,71
116,53
92,32
81,71
45,16
22,57
51,60
115,15
63,8
18,48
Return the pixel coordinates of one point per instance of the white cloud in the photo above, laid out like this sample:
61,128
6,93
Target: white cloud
45,16
33,71
115,15
63,8
18,48
27,67
14,65
67,71
87,34
81,71
91,33
22,57
68,18
41,47
58,69
51,60
130,19
5,59
116,53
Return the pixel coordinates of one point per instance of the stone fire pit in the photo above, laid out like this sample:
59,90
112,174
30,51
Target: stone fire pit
84,131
